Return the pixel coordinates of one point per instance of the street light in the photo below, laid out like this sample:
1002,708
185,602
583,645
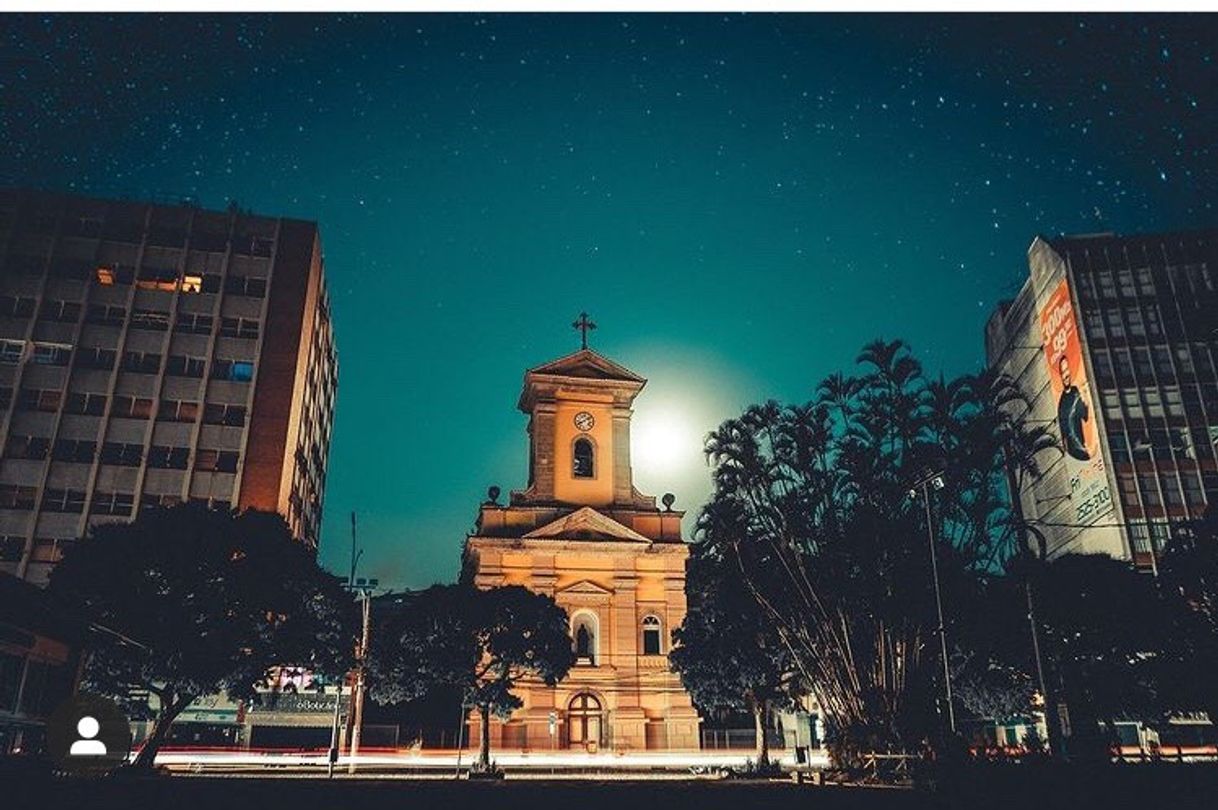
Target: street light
935,479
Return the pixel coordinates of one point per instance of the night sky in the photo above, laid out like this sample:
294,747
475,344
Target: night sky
739,201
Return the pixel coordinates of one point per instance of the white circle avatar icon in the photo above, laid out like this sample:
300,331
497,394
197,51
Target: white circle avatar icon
87,745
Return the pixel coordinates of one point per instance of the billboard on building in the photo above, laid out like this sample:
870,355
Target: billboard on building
1090,497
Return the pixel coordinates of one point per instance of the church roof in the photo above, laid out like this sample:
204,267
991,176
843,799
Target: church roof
586,524
588,364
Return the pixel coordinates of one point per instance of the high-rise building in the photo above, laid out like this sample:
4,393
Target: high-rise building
152,354
1114,341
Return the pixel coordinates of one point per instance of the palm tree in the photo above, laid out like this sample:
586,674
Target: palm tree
811,503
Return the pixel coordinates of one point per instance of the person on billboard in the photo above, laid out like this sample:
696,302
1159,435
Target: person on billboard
1072,412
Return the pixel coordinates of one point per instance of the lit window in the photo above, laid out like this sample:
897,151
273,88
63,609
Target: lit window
192,284
105,275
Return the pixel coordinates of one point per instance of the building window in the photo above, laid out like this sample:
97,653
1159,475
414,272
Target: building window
94,358
1193,493
192,283
132,407
238,327
12,549
150,319
216,460
122,454
51,354
110,274
218,414
194,324
31,447
1125,279
13,496
235,370
149,501
173,410
1150,490
71,501
88,404
106,314
245,285
112,503
168,458
142,362
1146,281
11,351
583,462
77,450
14,307
39,399
61,311
158,279
651,635
182,366
1129,489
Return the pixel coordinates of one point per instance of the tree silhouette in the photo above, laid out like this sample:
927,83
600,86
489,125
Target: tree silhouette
727,652
216,600
482,641
814,503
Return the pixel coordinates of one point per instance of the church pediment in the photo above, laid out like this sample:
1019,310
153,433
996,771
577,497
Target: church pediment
585,587
586,364
587,524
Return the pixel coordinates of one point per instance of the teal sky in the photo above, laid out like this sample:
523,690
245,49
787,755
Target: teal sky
740,202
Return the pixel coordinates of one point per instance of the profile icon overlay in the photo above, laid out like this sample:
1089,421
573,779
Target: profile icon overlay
88,745
88,735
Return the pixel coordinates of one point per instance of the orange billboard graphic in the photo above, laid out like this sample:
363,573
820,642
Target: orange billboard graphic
1076,419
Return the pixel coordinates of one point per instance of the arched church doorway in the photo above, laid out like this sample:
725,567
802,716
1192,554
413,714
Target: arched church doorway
584,721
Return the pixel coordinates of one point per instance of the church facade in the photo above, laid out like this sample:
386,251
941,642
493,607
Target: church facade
610,557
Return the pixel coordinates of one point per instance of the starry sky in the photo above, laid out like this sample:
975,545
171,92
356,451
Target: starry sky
739,201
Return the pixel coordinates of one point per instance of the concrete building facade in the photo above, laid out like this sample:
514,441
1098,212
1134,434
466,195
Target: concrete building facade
1114,339
152,354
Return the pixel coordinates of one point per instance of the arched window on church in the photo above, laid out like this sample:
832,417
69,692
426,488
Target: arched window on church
582,459
651,635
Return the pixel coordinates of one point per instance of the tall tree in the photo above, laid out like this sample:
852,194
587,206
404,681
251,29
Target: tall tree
727,652
215,598
1188,579
483,641
1104,629
815,503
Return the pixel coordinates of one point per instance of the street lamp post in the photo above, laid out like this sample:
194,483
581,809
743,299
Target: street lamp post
332,754
365,588
936,480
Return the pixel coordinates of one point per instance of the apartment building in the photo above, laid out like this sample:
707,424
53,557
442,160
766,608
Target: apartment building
152,354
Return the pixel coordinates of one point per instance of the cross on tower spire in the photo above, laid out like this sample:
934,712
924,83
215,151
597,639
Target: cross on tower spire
584,324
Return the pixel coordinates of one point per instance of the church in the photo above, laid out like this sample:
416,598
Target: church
610,557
